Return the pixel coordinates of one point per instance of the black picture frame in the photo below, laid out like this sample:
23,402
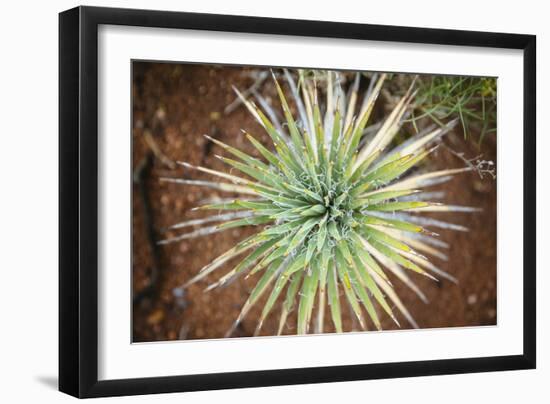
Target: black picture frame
78,201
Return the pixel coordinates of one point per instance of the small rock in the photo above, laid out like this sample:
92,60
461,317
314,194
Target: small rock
482,186
179,297
184,330
155,317
215,115
160,114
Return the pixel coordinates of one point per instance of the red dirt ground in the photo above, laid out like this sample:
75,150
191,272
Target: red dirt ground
177,104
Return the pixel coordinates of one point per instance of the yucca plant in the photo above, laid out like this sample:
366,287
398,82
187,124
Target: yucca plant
335,211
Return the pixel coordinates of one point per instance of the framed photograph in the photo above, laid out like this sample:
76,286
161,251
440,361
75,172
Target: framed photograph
251,201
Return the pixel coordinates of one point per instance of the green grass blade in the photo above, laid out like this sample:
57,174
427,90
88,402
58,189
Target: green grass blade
247,221
397,206
345,279
309,288
275,292
251,161
395,257
334,299
289,299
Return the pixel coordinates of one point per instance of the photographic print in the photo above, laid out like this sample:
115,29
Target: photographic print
226,193
273,201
